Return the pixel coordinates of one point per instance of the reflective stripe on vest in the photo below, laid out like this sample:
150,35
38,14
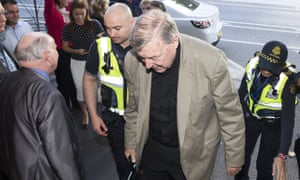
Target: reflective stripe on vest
114,78
269,103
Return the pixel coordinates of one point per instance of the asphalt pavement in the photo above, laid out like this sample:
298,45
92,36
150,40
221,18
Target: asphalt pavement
100,165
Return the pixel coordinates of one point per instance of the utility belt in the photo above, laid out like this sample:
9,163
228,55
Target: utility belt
271,121
111,118
274,119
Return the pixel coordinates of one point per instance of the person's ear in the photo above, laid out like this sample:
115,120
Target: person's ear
175,42
132,22
47,57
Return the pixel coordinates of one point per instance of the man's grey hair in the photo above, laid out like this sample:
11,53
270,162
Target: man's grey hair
33,50
154,23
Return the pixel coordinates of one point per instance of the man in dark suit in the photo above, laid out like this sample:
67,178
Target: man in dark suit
37,135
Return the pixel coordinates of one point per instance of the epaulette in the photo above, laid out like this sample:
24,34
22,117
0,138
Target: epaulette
288,72
99,35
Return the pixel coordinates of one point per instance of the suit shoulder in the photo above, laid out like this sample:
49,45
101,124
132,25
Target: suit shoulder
199,51
131,59
195,46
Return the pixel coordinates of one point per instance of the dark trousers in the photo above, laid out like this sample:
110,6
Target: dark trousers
64,79
116,141
297,151
268,149
160,162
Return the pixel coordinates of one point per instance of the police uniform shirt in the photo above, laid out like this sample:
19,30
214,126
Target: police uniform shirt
287,112
93,57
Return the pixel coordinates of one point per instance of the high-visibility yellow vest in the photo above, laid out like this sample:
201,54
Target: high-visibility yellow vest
112,78
269,104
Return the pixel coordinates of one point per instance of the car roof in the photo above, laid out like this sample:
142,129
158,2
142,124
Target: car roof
189,8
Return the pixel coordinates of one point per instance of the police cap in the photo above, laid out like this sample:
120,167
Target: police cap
273,56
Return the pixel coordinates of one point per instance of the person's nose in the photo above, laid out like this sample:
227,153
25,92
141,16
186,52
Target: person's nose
112,33
148,63
2,16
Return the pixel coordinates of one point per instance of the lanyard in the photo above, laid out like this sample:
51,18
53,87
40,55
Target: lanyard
258,89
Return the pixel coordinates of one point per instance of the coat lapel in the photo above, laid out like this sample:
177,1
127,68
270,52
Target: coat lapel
144,104
183,96
145,91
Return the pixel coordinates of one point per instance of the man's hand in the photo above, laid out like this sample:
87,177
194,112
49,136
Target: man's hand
231,171
99,126
130,153
279,168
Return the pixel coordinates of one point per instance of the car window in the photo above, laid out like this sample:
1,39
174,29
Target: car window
183,5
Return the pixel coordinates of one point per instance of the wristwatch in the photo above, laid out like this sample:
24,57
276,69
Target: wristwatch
282,156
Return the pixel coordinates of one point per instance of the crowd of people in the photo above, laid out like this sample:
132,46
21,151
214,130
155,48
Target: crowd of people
146,87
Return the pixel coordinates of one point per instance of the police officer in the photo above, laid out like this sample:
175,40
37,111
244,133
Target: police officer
267,95
104,68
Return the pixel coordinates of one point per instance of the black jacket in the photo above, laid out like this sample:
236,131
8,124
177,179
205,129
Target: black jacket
37,135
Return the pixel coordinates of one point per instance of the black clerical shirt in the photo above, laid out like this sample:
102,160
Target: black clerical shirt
163,112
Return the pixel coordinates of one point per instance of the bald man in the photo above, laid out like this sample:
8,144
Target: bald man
37,134
104,67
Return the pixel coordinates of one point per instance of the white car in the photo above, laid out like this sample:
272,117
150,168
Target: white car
196,19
